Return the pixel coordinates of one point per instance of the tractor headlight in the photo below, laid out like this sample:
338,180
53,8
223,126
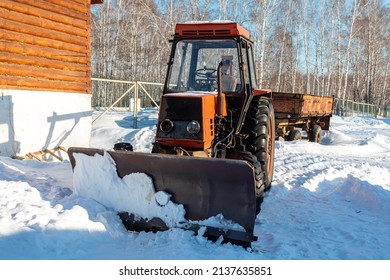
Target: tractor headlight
193,127
166,125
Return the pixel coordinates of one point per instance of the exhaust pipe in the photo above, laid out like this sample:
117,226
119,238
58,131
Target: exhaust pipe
220,99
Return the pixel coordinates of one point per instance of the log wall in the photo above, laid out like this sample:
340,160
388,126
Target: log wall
45,45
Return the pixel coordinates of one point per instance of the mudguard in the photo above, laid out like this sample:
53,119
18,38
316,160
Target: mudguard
205,187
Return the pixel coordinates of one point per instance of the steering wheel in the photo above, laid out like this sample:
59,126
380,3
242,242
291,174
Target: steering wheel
204,78
206,73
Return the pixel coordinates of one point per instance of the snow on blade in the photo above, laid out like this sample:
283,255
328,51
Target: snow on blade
221,222
96,177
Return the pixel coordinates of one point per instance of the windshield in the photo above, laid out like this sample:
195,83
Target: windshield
195,66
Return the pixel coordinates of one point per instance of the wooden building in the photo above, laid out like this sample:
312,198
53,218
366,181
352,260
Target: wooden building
45,99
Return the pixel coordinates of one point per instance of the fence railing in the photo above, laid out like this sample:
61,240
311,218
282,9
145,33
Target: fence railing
386,112
352,108
134,95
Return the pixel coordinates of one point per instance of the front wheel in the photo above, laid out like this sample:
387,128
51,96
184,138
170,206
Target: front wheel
252,160
259,182
260,127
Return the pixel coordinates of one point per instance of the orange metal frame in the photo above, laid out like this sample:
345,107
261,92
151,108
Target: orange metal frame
208,114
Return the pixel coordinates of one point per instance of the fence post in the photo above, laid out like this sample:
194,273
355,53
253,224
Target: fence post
135,106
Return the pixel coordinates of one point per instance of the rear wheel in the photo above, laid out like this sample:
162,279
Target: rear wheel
315,134
260,127
294,135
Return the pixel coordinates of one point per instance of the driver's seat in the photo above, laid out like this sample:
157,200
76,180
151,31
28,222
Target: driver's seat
229,83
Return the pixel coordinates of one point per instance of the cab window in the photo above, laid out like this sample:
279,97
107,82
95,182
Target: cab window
195,66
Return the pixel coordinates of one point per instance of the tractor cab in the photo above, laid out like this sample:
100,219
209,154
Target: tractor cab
207,89
198,49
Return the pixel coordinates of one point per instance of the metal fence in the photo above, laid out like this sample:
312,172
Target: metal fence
134,95
386,112
107,94
352,108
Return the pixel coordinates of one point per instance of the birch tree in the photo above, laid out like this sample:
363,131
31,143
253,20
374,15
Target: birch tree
356,6
261,16
285,22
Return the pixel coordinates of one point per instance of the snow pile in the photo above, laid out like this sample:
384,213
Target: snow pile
96,177
27,211
116,126
33,228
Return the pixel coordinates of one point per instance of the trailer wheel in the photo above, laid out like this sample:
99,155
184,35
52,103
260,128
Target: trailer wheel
294,135
260,126
315,134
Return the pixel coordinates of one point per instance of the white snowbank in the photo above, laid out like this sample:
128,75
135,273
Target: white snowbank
28,212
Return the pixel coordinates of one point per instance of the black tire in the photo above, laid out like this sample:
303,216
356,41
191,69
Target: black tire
315,134
255,164
260,127
123,146
260,186
294,135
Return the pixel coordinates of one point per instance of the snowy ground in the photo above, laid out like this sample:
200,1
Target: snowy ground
327,202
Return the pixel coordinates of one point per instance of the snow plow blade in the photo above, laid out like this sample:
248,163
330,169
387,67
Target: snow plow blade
205,187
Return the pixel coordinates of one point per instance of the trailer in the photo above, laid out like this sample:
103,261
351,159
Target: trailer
296,112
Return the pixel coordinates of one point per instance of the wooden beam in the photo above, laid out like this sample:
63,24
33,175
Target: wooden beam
45,45
51,152
38,12
20,59
29,83
63,36
8,69
41,155
42,23
45,52
69,8
39,41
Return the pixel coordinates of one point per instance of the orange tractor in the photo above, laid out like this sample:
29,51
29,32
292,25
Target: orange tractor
214,146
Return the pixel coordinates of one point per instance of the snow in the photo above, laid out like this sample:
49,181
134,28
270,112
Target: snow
95,177
328,201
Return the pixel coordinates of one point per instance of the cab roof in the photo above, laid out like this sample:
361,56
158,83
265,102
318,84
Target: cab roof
210,29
